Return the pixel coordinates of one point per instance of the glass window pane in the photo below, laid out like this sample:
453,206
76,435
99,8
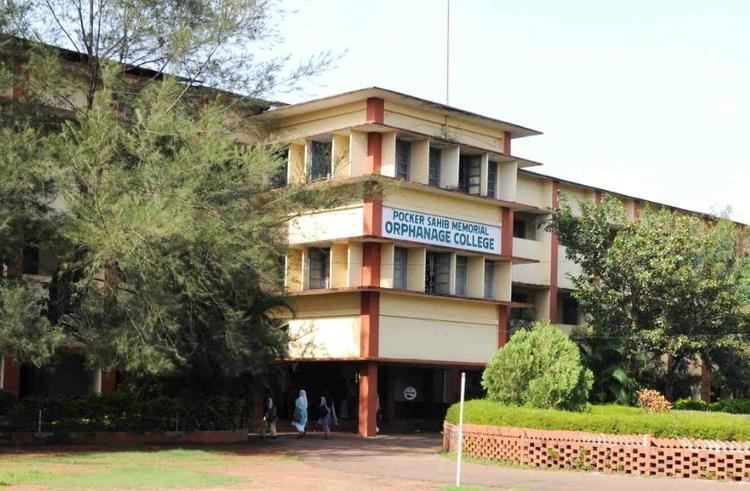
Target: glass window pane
492,179
403,156
320,161
437,273
318,267
434,166
461,275
400,258
489,279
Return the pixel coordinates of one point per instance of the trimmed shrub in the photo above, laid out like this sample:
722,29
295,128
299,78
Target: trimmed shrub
652,401
732,406
618,420
539,367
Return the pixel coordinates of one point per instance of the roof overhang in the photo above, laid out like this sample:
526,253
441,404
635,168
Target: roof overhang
515,130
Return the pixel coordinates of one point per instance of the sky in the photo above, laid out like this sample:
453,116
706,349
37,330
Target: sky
646,98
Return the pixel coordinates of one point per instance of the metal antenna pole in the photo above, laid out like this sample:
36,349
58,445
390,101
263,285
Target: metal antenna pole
448,52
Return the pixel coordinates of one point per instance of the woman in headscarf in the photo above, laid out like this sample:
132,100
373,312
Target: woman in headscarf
300,413
325,417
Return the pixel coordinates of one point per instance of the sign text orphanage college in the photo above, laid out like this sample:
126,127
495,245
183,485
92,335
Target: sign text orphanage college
425,228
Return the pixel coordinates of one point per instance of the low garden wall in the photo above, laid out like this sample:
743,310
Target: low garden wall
122,437
622,454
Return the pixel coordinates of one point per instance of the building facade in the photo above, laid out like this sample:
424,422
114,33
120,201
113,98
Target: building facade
395,294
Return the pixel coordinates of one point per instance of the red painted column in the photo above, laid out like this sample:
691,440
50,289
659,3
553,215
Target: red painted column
375,110
597,197
370,300
506,231
506,142
553,261
503,325
637,209
11,375
368,398
109,381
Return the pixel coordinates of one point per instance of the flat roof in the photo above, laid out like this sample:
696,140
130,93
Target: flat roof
617,193
516,131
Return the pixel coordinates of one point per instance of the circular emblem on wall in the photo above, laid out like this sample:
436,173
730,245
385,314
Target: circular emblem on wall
410,393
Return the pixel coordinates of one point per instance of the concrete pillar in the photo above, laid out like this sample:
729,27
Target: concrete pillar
108,381
368,398
705,380
503,325
11,379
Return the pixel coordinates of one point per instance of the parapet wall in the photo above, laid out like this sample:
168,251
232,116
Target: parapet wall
621,454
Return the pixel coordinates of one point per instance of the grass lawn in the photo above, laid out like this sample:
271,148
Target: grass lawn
118,469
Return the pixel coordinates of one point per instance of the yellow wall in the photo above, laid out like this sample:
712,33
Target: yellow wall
293,276
428,328
438,126
319,122
410,199
534,191
328,337
327,225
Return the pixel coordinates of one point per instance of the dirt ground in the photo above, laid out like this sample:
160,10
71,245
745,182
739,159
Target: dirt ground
387,462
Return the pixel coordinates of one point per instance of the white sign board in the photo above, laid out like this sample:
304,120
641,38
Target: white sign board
410,393
437,230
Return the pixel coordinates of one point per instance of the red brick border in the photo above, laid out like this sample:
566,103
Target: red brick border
620,454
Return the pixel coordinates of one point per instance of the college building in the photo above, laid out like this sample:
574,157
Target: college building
397,292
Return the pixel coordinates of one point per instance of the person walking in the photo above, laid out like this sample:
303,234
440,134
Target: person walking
299,421
269,419
325,417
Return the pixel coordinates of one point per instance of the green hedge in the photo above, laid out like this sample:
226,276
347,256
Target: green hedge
732,406
121,411
608,419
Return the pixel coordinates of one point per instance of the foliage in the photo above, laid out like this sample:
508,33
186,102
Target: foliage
121,411
666,284
171,236
216,43
653,402
25,333
732,406
178,236
606,360
619,420
118,469
538,367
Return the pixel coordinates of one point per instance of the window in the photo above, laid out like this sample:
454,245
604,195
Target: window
278,178
400,261
403,157
492,179
569,310
519,229
434,166
461,275
469,174
437,273
489,279
319,166
519,297
30,261
318,260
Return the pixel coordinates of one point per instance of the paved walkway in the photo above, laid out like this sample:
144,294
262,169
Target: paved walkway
416,458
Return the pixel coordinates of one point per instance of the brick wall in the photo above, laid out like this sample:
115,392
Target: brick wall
622,454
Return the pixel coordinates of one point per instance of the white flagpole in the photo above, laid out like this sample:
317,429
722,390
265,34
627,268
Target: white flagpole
460,429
